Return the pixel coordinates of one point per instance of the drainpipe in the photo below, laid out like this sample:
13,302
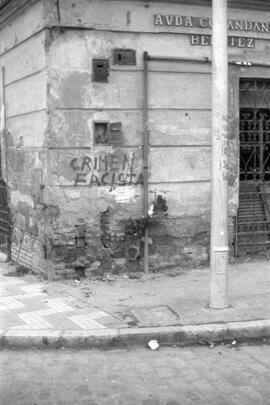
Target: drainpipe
145,157
219,201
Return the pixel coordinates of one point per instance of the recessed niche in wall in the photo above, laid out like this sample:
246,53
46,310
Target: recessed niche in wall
101,133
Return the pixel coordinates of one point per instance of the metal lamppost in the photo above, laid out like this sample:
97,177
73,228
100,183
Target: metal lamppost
219,203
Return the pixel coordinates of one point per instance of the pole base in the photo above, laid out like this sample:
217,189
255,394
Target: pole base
213,306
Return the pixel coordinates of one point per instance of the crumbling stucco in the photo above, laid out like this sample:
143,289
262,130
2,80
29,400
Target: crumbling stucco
61,181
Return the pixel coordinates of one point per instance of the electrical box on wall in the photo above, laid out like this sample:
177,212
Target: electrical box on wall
106,133
124,57
100,70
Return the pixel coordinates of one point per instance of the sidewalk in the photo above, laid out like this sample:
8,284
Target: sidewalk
118,310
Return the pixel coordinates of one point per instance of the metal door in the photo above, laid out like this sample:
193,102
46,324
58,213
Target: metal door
253,217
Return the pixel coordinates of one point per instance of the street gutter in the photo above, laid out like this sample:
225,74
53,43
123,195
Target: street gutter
126,337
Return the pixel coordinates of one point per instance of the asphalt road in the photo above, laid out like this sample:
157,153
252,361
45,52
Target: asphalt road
168,376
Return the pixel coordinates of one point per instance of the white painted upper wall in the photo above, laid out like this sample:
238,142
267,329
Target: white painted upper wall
25,59
23,55
27,95
21,26
138,16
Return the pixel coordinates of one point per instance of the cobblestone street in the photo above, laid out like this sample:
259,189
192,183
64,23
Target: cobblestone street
169,376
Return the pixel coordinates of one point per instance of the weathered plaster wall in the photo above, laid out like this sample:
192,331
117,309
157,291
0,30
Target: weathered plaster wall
22,53
87,189
78,205
179,156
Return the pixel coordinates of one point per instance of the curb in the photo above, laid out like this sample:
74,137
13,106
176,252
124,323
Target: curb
117,338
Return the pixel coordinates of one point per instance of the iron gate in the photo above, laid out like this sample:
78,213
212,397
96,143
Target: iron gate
5,220
255,130
253,217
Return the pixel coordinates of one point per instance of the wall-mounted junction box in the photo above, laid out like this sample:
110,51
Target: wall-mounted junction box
124,57
100,70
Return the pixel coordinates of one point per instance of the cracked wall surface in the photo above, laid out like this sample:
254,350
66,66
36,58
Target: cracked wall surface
94,183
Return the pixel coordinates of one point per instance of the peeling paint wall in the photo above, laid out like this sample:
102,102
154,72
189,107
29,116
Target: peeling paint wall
77,201
88,180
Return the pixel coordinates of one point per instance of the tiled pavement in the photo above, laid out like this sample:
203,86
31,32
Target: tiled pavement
29,303
25,305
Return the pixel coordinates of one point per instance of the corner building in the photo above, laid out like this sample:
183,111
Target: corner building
80,176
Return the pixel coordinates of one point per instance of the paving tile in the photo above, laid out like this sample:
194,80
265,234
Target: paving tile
3,308
85,322
34,288
63,324
59,305
30,295
97,314
45,312
10,303
7,281
35,321
37,305
9,319
55,317
10,290
110,322
20,327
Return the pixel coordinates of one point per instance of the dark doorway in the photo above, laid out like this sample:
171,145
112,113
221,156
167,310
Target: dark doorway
254,130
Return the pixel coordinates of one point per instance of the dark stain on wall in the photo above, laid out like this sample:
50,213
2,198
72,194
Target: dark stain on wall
53,213
105,227
160,205
128,18
135,227
51,35
25,210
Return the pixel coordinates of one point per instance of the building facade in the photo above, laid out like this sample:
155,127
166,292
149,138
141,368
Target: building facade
106,130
